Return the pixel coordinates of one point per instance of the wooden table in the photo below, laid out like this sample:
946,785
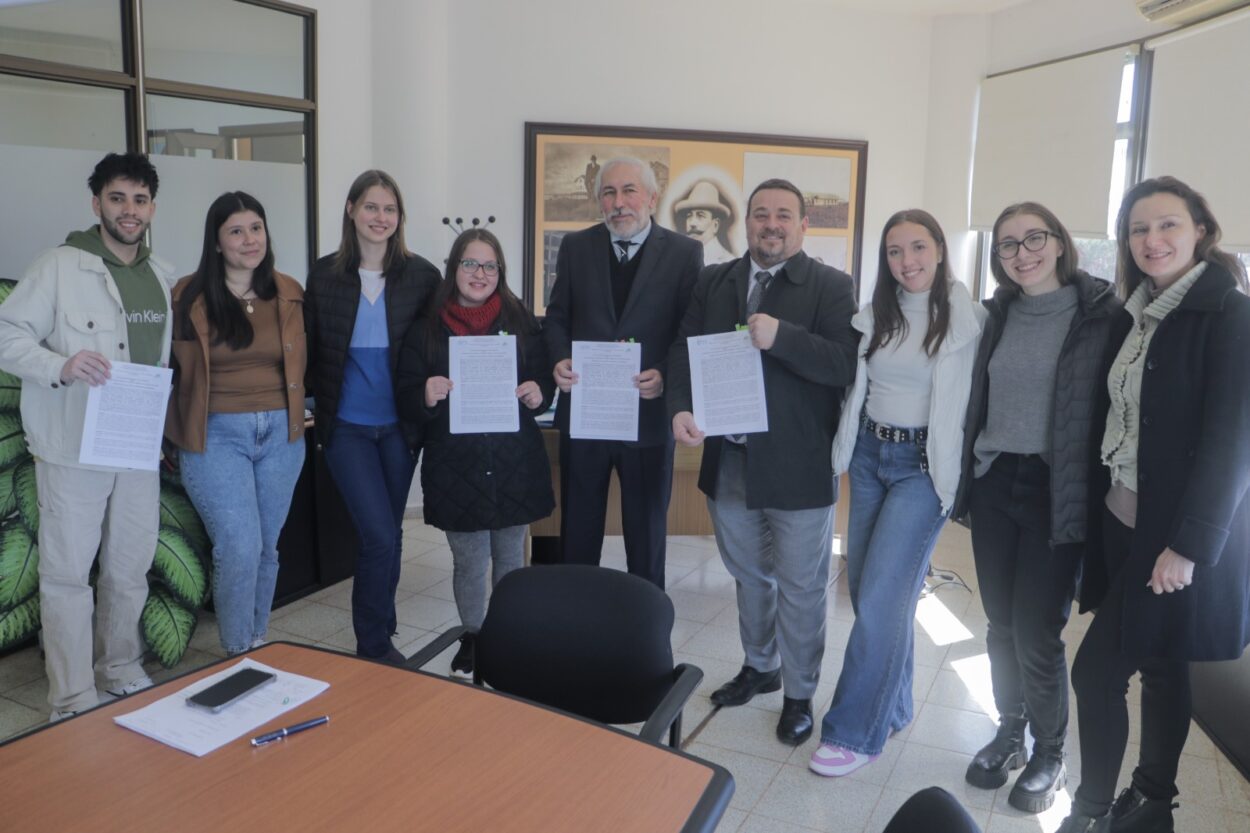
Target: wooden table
404,751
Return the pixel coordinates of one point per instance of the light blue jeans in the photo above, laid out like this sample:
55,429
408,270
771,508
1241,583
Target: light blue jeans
241,485
895,518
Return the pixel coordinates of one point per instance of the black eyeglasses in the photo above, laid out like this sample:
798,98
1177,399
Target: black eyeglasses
470,265
1034,242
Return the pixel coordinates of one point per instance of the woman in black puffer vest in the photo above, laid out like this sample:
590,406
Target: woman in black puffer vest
1028,448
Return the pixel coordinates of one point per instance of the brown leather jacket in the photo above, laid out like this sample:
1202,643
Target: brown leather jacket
186,421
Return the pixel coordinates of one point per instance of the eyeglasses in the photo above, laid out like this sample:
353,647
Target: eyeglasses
470,266
1034,242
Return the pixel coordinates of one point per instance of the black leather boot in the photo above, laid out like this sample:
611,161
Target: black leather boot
1081,823
1133,812
1043,776
1004,753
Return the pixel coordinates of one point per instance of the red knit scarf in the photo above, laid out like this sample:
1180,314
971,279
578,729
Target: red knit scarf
471,321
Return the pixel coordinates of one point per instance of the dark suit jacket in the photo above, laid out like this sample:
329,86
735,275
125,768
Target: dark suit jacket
805,373
581,308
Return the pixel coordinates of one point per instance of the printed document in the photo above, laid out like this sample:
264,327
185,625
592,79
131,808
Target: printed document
727,384
483,375
125,417
172,722
604,402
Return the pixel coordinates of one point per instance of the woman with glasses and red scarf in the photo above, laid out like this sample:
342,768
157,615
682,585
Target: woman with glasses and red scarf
482,489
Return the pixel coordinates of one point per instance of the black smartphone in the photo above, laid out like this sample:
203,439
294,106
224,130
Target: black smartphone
239,684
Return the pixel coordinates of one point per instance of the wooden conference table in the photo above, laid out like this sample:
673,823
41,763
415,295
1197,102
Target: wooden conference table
404,751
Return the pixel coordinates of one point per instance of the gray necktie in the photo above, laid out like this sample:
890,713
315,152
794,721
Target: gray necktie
624,245
762,279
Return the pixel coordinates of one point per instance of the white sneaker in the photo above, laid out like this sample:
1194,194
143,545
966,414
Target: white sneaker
137,684
258,642
60,714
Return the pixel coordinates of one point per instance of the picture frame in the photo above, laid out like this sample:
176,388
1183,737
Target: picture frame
705,178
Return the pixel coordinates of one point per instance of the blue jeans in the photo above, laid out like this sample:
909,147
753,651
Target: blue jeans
372,465
241,485
895,519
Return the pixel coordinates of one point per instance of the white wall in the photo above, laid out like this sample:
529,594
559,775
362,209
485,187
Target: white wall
803,69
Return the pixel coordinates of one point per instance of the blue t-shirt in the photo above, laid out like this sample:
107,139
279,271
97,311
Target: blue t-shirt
368,396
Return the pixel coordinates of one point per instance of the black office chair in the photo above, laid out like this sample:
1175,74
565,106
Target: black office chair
588,640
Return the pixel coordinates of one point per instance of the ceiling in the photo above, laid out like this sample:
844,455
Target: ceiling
930,7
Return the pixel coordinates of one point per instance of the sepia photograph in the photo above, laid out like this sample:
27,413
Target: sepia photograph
703,182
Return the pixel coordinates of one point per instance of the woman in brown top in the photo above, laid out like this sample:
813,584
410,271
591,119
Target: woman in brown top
237,412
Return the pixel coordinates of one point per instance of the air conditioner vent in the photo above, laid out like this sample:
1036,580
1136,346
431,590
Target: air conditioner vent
1185,11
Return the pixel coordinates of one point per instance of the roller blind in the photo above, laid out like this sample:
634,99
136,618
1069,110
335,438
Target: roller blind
1047,134
1199,118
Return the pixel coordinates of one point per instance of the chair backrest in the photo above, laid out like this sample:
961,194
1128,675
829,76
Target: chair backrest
589,640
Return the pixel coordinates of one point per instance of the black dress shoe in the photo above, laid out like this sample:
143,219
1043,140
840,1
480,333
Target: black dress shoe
1043,776
1004,753
795,725
1133,812
746,685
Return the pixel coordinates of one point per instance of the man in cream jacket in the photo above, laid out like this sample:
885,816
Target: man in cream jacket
98,298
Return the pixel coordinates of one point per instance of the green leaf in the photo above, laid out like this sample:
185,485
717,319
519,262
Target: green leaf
8,497
6,288
12,438
19,565
20,623
167,626
179,568
178,512
10,392
27,494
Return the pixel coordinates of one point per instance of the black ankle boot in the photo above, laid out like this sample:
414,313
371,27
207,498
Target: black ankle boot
1133,812
1081,823
1044,775
1004,753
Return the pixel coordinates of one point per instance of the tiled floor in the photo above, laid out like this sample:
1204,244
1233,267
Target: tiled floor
774,790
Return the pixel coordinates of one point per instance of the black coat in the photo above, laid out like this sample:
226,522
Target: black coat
472,482
1193,472
1075,433
331,299
581,308
806,372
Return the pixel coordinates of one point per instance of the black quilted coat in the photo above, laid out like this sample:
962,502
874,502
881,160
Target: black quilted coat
1074,437
330,302
473,482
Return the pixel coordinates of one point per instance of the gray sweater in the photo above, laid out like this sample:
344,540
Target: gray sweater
1022,377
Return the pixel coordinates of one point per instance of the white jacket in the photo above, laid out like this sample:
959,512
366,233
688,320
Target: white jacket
67,301
948,402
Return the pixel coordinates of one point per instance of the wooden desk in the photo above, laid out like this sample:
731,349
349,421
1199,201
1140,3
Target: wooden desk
687,509
404,751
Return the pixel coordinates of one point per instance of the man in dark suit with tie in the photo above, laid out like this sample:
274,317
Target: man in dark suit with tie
771,494
625,279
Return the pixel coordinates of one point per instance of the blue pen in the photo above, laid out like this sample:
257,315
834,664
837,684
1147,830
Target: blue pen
270,737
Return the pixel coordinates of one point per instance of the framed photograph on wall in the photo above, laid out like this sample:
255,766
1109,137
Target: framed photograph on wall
704,178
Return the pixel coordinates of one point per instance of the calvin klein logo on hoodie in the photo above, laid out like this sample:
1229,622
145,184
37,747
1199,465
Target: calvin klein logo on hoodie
147,316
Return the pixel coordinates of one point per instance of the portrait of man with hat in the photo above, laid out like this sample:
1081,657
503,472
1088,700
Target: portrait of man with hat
706,216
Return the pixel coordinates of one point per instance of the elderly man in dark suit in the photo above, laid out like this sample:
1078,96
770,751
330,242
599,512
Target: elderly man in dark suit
624,279
771,494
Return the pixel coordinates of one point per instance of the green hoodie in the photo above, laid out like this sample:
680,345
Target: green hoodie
140,289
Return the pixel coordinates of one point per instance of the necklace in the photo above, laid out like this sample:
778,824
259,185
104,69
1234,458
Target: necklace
247,301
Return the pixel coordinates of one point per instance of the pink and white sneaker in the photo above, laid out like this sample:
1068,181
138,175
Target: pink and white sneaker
835,761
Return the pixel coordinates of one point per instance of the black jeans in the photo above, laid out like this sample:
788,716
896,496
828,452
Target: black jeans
1027,588
1100,676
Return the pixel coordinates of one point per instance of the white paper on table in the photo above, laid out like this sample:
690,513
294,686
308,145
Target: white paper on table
727,384
604,402
198,731
484,381
125,417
